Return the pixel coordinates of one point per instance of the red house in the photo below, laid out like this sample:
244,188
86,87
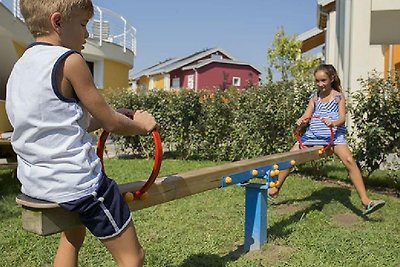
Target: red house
210,69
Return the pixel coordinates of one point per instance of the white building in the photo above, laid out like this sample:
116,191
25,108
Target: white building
110,49
359,36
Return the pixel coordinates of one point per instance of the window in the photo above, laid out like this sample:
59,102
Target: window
236,81
216,56
176,83
190,83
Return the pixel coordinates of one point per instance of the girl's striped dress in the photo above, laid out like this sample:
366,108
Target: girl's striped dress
317,132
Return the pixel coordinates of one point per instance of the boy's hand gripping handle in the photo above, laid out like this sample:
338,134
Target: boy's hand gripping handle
158,152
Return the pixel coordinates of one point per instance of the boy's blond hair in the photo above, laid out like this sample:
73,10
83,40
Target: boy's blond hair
37,12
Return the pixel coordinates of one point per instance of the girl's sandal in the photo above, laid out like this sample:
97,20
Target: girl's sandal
274,195
373,205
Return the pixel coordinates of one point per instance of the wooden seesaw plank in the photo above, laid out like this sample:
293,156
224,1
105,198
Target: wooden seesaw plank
45,218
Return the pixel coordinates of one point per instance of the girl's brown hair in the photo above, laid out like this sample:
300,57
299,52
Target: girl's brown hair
37,12
332,73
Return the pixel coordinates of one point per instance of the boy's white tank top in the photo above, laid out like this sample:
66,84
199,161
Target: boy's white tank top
56,158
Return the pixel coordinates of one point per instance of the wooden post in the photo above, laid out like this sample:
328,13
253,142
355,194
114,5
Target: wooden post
46,218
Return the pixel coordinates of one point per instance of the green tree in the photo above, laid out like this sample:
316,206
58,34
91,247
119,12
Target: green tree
286,58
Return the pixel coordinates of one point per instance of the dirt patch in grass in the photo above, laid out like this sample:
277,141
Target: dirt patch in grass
271,255
345,219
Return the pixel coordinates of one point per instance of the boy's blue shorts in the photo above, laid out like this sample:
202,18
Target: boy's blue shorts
104,212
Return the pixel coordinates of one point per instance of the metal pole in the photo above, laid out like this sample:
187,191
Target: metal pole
124,20
255,227
101,25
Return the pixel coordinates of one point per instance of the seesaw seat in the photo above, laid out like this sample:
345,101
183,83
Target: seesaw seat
35,203
43,217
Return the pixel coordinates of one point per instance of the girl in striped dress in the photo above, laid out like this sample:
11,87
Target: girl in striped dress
329,105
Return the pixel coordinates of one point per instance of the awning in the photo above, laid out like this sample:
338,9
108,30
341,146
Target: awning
311,39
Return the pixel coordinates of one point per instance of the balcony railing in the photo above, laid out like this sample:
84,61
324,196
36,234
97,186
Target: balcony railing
105,26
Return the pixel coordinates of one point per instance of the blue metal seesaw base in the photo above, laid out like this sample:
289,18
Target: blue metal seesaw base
256,201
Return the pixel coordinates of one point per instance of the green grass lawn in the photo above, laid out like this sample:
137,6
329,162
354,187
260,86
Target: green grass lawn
312,223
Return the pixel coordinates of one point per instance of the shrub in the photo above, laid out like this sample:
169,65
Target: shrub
376,117
221,125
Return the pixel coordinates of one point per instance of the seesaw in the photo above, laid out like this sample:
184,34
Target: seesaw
45,218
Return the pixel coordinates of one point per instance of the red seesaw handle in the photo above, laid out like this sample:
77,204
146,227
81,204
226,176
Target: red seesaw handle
301,145
158,152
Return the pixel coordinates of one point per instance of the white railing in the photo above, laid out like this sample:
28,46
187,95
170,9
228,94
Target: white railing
13,6
105,26
112,28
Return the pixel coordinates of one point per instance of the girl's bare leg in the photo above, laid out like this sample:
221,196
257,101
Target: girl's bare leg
274,191
125,248
68,248
345,155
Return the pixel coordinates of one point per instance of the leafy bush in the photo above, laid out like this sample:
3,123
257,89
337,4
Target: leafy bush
221,125
376,116
212,136
234,125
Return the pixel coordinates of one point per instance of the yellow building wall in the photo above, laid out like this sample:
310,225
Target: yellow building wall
159,81
19,49
116,75
395,58
143,82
